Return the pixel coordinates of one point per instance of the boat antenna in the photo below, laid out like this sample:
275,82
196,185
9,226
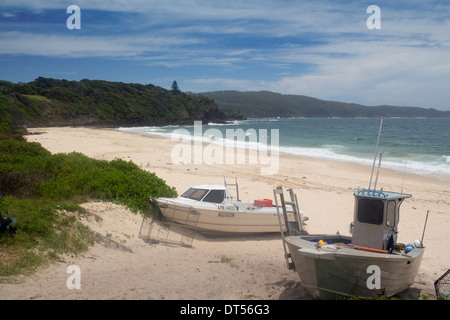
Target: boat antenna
376,153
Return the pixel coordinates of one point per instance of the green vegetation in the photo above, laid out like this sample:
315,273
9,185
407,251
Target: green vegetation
229,261
52,102
394,298
44,191
175,88
269,104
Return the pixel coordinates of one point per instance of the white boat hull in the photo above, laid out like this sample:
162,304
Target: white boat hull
331,273
257,220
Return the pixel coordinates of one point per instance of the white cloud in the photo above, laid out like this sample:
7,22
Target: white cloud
22,43
8,15
377,73
406,62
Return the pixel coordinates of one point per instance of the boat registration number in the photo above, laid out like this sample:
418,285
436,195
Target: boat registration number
222,207
226,214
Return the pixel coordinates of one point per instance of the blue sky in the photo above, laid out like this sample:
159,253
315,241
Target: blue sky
322,49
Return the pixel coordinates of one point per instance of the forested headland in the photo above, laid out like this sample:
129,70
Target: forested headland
53,102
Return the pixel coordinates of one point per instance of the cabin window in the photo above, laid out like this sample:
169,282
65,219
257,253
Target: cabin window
215,196
390,216
187,193
198,194
370,211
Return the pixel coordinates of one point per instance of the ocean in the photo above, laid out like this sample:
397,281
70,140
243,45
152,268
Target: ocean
413,145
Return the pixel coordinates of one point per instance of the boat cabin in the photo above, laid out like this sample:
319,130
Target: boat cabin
376,218
208,193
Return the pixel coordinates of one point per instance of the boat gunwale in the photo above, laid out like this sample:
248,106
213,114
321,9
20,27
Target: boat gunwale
241,207
305,246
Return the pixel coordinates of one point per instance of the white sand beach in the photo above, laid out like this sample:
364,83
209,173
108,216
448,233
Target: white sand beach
123,266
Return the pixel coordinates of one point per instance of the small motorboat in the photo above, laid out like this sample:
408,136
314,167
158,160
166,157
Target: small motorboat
210,207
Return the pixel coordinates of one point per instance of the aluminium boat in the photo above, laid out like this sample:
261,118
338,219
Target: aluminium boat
369,263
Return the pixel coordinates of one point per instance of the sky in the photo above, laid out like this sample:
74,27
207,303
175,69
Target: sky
397,54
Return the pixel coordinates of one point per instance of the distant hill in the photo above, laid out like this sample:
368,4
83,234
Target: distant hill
269,104
51,102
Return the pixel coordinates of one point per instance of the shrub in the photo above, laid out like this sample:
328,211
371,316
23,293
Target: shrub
41,190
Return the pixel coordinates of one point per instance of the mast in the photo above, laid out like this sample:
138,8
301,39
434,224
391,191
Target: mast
376,153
